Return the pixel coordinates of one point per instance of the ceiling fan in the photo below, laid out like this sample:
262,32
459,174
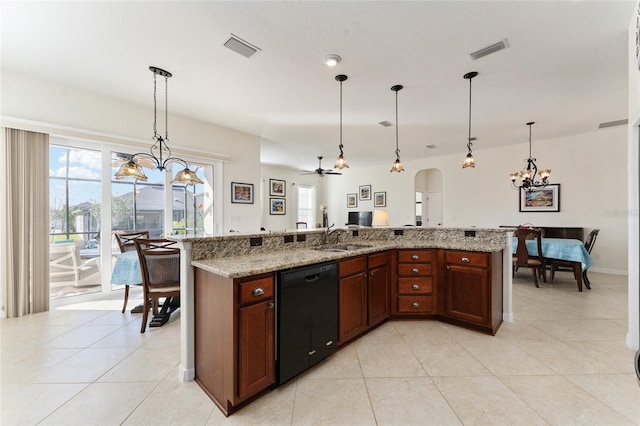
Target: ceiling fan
320,171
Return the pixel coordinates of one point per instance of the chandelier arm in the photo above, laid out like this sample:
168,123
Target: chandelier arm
144,154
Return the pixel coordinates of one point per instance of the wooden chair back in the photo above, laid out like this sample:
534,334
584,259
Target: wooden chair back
301,225
125,240
591,240
522,255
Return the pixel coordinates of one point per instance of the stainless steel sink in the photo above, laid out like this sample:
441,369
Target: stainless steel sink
342,247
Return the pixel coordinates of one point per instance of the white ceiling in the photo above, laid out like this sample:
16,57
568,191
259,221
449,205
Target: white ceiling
565,69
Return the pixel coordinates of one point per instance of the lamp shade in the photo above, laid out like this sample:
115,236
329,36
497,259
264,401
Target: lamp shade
380,218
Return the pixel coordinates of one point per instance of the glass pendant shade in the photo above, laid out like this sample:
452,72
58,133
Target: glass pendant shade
130,170
341,163
469,161
397,166
187,177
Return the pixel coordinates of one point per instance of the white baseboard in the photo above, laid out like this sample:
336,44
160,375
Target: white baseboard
609,271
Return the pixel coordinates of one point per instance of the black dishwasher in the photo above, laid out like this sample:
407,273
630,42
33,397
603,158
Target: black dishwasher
307,329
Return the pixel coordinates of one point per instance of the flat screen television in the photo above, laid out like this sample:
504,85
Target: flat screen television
360,218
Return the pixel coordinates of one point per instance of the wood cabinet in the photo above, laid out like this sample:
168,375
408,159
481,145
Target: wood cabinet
472,289
364,292
352,298
378,288
415,293
234,321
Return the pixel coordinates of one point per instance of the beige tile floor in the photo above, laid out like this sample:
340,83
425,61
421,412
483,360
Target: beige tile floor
562,362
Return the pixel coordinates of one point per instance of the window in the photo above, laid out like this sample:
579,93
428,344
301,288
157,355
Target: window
307,204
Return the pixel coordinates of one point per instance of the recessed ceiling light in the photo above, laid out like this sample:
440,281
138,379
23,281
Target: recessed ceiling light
332,60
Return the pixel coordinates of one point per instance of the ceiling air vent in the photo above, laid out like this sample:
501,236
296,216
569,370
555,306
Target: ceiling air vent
503,44
431,146
240,46
613,123
386,123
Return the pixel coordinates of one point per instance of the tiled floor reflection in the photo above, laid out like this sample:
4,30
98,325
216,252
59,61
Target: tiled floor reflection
563,361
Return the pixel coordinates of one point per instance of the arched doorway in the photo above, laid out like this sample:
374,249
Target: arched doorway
429,198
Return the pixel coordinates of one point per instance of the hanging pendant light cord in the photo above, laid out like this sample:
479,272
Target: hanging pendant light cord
469,140
397,149
341,146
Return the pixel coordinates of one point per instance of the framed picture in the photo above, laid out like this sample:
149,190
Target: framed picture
352,200
380,199
365,192
277,187
277,206
242,193
545,199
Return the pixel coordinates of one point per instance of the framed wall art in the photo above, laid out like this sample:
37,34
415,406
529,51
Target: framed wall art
277,206
277,187
379,199
352,200
545,199
365,192
242,193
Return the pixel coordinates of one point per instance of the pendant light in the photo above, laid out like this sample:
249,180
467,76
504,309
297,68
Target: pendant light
131,169
528,174
469,161
397,165
341,162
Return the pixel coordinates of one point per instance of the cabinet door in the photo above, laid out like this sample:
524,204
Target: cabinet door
467,294
353,307
256,348
378,291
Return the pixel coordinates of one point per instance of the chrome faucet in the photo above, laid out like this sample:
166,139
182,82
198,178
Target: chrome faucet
327,234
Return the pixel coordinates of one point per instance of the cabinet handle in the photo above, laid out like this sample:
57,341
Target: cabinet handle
312,352
414,257
465,260
414,271
415,305
329,343
415,287
371,273
271,305
258,291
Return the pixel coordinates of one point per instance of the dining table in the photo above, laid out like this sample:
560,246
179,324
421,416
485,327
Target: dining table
567,249
127,271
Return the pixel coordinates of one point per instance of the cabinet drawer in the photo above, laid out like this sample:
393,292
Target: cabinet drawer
467,258
407,304
378,259
414,268
352,266
256,290
415,285
408,256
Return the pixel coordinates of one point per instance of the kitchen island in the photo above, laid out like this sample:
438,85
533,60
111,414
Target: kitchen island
228,287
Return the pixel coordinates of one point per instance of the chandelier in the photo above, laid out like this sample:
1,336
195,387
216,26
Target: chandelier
341,162
528,175
397,165
160,154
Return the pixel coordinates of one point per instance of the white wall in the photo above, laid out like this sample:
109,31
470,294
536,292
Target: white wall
26,98
593,189
292,177
633,336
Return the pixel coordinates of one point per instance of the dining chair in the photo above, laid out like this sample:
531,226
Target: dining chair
125,242
563,265
522,258
301,225
160,269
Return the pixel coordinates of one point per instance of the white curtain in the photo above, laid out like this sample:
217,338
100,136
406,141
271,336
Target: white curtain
25,221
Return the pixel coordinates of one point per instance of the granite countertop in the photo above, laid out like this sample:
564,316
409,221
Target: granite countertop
276,260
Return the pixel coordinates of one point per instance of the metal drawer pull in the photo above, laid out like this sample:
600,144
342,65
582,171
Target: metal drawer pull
258,291
465,260
271,305
415,270
312,352
414,257
415,287
415,305
329,343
